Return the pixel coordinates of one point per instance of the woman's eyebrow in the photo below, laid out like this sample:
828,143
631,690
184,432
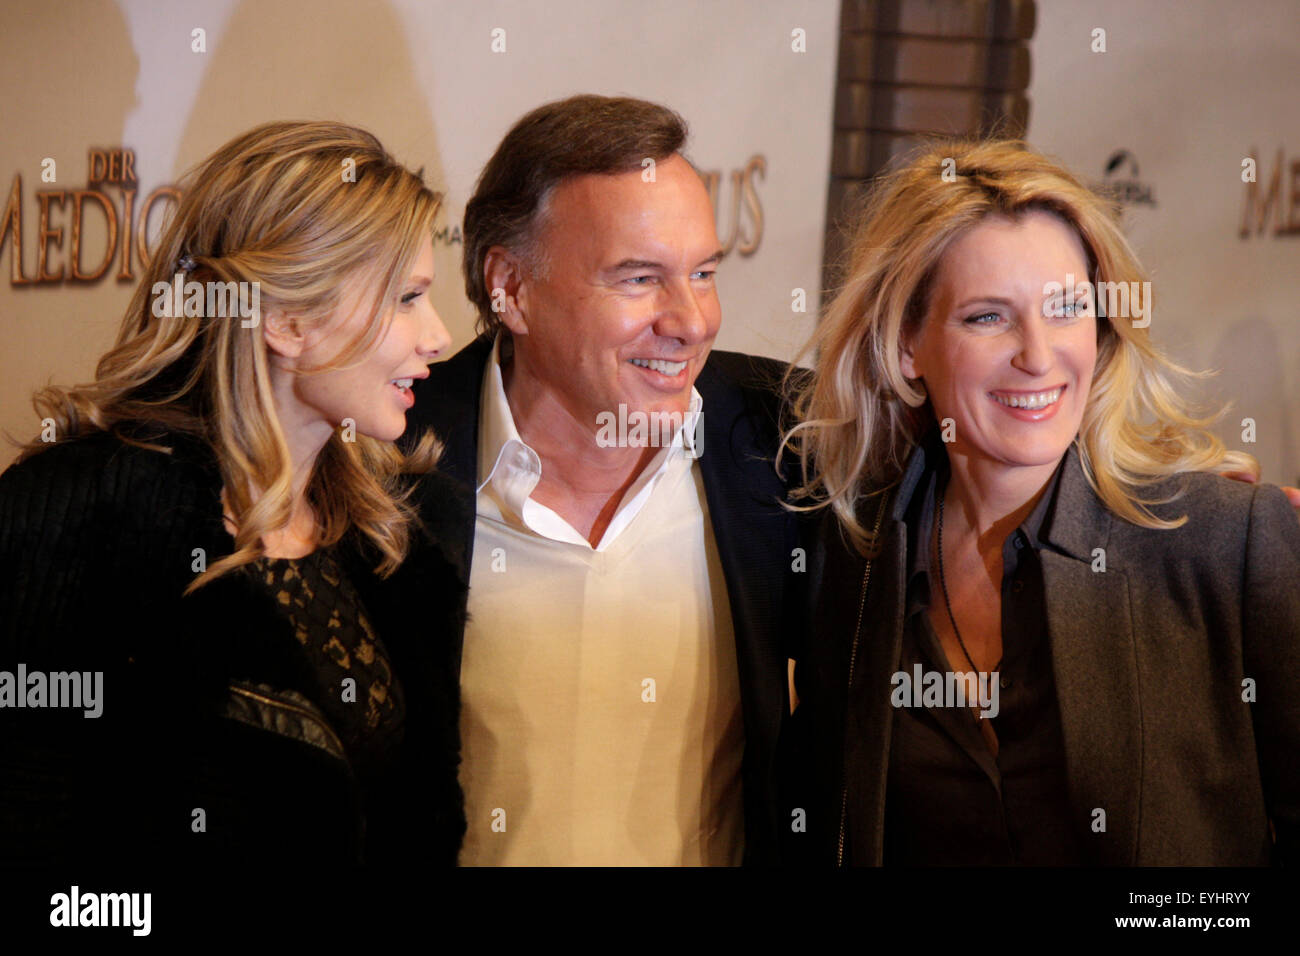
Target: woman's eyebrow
984,300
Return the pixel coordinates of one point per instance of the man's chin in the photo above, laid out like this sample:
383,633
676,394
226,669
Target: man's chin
679,405
632,409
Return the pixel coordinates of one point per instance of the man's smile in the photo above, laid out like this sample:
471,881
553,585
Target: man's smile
660,365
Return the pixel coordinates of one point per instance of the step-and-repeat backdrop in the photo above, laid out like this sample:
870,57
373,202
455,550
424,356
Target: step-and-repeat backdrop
1167,104
104,105
1190,107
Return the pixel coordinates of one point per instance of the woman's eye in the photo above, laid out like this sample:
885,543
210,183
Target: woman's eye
1072,310
984,318
410,297
1060,309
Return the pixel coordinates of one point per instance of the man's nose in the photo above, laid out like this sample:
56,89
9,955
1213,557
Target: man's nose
685,313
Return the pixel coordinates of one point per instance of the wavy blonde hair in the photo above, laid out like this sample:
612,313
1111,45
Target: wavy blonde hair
299,208
858,418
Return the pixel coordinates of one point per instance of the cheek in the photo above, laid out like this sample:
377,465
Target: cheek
966,366
612,329
630,320
712,308
1084,353
328,393
1087,369
400,339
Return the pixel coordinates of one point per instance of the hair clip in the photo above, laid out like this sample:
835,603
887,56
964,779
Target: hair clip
185,264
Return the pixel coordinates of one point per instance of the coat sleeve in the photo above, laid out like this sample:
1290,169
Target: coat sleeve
95,543
1271,651
52,543
56,549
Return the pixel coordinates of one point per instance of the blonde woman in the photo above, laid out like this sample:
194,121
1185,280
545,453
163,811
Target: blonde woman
219,542
1046,632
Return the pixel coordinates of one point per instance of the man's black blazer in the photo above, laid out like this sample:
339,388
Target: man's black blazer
756,537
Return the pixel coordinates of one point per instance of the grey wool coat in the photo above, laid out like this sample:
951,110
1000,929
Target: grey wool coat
1176,674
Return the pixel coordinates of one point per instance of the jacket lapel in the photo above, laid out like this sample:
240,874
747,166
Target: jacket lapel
448,402
754,534
870,725
1094,662
755,538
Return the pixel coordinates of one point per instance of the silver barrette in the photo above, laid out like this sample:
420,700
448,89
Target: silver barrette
185,264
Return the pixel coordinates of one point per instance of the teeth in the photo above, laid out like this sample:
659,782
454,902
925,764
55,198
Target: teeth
1034,400
659,365
403,382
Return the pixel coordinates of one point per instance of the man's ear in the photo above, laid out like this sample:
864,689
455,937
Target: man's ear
283,333
506,280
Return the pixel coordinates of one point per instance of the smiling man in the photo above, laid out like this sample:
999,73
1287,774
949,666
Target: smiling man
623,672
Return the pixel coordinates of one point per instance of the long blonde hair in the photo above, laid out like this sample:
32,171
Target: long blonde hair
858,418
298,208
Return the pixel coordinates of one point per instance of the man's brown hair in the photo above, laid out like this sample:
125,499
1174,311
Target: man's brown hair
577,136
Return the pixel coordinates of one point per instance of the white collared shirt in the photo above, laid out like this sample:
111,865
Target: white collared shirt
601,720
509,469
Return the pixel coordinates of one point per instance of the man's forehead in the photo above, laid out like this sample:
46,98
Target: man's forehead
648,172
669,196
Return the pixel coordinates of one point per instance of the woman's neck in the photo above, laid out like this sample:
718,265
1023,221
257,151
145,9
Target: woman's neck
989,500
305,434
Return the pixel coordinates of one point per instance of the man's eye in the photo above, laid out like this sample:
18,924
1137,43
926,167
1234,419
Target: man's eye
706,274
639,280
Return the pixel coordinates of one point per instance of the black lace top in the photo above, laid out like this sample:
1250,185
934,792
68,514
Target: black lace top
367,712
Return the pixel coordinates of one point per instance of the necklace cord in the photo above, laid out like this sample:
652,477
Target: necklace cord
943,583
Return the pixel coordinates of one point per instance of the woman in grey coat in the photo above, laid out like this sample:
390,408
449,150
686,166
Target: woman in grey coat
1044,631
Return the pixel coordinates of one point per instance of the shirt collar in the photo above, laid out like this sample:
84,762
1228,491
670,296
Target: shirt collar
920,509
510,469
507,466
